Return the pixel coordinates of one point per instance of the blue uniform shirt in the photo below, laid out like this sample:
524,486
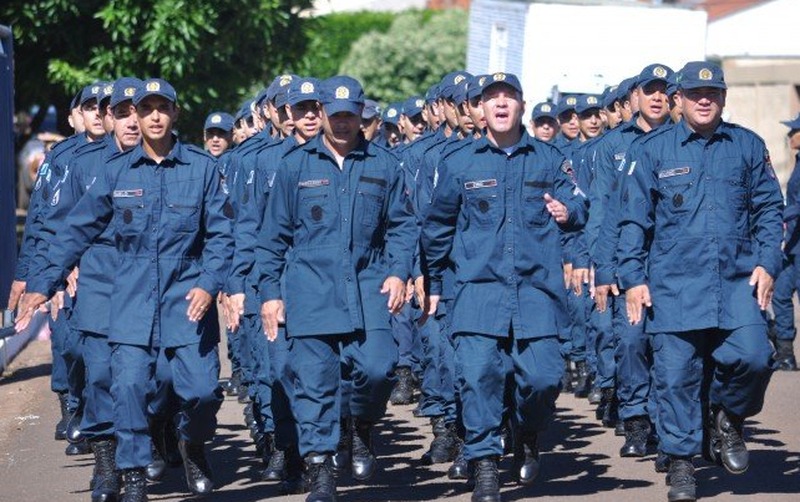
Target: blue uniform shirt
488,217
704,214
348,229
172,232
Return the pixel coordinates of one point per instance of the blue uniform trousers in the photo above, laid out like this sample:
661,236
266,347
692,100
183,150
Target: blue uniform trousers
576,345
404,330
245,349
282,397
194,371
726,368
73,358
433,341
318,364
234,340
634,361
98,409
59,332
602,335
782,305
261,387
483,363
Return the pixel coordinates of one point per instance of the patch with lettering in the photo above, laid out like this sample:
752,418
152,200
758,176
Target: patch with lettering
126,194
678,171
474,185
314,183
374,181
538,184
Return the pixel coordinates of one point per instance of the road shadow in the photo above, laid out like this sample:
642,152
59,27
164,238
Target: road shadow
26,373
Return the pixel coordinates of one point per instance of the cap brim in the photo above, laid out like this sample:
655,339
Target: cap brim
700,84
489,85
341,105
140,97
301,98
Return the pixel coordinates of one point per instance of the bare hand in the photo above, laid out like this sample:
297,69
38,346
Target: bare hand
601,295
56,304
634,299
199,303
72,282
765,285
17,290
422,299
433,304
557,210
396,289
273,313
580,276
235,310
568,275
27,307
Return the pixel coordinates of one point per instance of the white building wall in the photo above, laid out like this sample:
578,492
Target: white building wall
766,30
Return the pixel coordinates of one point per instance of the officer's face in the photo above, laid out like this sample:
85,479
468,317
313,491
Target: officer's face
613,115
569,124
282,121
413,126
217,140
675,109
108,119
626,110
794,139
125,125
652,100
702,108
434,115
156,116
591,124
545,128
391,133
76,120
465,123
502,108
305,117
342,129
475,112
369,127
92,120
450,113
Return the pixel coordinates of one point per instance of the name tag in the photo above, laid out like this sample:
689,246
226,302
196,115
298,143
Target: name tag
678,171
314,183
138,192
474,185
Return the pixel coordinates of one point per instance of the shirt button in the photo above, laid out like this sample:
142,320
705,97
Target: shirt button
509,220
510,249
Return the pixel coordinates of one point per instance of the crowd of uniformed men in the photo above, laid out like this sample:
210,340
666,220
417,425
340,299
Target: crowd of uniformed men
625,249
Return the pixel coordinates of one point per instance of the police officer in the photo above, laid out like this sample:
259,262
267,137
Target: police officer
544,124
411,120
371,120
338,202
173,239
497,190
390,125
218,133
569,126
612,110
786,283
702,197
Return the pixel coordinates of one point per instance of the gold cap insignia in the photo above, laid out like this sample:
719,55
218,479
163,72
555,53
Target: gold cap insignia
216,119
660,72
499,77
546,108
307,88
481,81
420,103
129,91
342,92
107,90
591,100
572,101
391,113
458,79
95,89
153,87
705,74
285,80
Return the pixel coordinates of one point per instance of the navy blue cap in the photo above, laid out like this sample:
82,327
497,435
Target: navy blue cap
124,89
413,106
76,99
502,78
91,92
654,72
448,84
626,87
588,102
261,96
245,111
105,93
155,87
696,74
475,86
219,120
432,94
567,103
279,84
301,89
543,110
371,109
792,124
342,94
672,83
609,96
392,113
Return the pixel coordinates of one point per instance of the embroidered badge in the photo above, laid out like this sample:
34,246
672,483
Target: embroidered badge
678,171
314,183
123,194
474,185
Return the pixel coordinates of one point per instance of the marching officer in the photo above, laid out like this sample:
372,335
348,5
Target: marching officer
218,133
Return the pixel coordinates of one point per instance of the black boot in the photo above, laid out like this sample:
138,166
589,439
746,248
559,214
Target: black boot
80,448
106,478
637,430
322,483
611,412
198,473
444,445
680,479
583,385
460,467
61,426
595,396
74,434
276,464
403,391
526,457
341,461
135,485
784,355
566,377
363,463
486,479
733,451
295,481
232,385
662,462
158,466
244,394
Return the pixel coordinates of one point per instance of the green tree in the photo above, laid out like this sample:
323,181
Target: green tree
214,52
415,53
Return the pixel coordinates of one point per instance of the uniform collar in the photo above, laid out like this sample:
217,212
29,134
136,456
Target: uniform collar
685,134
525,142
178,155
363,149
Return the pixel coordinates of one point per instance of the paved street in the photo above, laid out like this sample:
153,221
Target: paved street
580,463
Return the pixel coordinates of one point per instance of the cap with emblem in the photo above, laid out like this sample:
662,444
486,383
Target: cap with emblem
413,106
302,89
587,102
155,87
499,78
543,110
105,94
653,73
696,74
447,87
124,90
567,103
342,94
371,109
793,125
245,111
672,83
277,90
475,86
460,92
609,96
391,114
90,92
219,120
626,87
432,94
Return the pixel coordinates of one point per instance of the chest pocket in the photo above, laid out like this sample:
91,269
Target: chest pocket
737,191
130,216
534,211
371,196
676,187
183,215
482,201
315,205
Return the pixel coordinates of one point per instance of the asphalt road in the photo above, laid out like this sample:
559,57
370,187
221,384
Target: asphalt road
580,460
